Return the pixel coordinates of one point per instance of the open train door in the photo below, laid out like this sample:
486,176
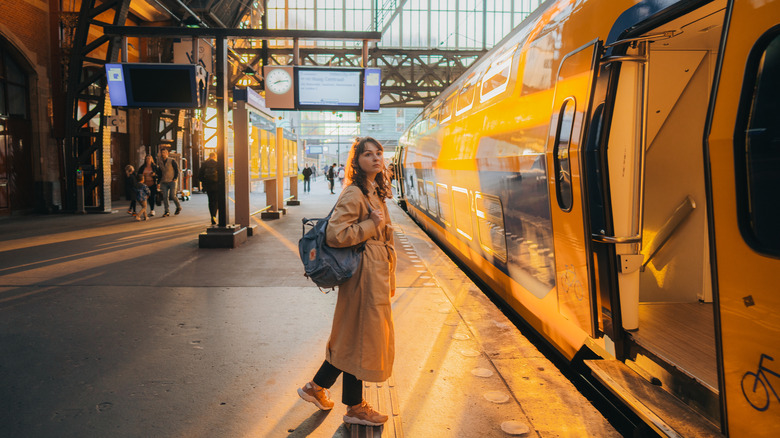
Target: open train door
742,146
572,102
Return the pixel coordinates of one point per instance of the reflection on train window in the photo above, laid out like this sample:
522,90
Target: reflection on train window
497,77
412,186
490,220
762,151
561,155
445,112
445,209
430,192
421,192
466,95
462,204
538,70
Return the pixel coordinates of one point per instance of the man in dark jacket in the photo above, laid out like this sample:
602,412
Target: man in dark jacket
170,175
331,177
306,179
208,175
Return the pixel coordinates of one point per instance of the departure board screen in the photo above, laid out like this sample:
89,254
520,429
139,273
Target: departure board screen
329,89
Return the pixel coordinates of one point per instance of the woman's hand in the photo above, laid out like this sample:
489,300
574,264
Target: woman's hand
377,217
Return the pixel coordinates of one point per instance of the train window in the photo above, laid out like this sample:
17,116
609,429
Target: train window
490,219
421,192
445,112
466,95
496,78
758,149
445,209
539,59
561,161
462,204
430,192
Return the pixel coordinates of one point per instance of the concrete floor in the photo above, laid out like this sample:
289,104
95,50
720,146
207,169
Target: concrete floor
110,327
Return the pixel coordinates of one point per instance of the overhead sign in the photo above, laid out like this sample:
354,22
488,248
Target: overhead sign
329,88
253,99
322,88
142,85
371,90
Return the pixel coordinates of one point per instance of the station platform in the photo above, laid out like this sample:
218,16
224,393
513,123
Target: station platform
112,327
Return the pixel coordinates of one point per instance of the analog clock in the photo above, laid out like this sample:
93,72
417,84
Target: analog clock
278,81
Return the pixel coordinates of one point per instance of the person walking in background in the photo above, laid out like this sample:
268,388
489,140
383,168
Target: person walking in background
130,182
141,194
361,344
169,175
306,179
331,177
342,174
151,174
208,175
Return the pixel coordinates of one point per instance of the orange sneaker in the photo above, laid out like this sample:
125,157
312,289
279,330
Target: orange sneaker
320,397
364,414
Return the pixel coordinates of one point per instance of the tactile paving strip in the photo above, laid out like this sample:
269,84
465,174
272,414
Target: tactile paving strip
383,397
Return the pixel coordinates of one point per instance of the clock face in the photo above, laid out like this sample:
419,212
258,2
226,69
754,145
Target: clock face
278,81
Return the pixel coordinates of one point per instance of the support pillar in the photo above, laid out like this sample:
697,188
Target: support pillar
241,162
223,235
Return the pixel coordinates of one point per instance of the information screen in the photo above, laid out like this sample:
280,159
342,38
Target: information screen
329,89
162,87
141,85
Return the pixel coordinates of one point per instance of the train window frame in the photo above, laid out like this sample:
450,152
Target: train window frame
565,199
458,226
445,218
750,183
502,65
469,87
483,216
421,192
430,194
445,111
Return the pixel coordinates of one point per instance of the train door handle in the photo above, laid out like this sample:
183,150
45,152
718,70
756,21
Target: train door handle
615,239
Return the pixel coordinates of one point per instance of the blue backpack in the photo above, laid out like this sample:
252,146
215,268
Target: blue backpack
327,267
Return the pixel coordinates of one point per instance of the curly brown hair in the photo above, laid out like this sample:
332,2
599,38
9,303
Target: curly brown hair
355,175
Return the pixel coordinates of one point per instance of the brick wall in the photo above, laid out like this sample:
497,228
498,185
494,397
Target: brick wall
28,21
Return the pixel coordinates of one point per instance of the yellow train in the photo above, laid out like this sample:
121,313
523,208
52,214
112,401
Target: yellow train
611,170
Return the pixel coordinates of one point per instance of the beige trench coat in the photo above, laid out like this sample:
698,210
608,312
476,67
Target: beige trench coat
362,341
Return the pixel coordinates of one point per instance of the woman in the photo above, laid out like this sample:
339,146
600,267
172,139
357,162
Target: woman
151,174
361,343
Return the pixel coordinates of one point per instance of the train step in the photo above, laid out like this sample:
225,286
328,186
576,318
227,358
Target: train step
660,410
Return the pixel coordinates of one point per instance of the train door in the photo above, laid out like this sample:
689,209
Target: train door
662,84
743,151
397,175
573,93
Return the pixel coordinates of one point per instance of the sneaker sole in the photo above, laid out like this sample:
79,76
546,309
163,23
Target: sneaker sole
311,399
353,420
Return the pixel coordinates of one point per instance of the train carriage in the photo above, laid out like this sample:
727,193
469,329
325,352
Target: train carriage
611,170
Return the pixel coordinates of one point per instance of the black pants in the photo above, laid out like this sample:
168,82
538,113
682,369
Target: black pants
132,204
330,184
352,389
306,184
212,195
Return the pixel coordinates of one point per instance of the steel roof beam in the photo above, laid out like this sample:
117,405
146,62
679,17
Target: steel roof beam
270,34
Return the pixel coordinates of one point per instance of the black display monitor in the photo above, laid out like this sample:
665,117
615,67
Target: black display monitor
141,85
